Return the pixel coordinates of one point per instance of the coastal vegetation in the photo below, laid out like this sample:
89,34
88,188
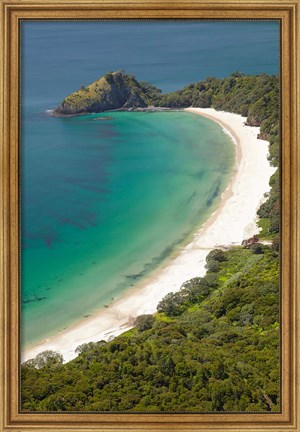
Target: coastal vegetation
211,347
214,345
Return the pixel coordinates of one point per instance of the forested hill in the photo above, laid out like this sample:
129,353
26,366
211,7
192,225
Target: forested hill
115,90
213,346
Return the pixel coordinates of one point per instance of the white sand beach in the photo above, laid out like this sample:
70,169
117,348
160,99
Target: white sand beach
233,221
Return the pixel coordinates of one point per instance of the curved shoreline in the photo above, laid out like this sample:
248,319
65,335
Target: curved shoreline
234,220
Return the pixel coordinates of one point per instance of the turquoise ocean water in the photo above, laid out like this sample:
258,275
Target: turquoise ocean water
105,202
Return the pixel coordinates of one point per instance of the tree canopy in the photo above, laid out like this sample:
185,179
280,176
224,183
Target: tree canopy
215,347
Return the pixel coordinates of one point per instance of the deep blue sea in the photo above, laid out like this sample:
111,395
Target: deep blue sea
105,202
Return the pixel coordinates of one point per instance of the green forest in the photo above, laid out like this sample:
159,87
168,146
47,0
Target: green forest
214,346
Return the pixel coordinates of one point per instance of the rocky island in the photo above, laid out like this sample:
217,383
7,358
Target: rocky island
115,90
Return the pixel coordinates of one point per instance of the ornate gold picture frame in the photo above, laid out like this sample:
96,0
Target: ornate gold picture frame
12,12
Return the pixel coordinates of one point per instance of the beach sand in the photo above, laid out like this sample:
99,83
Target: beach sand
234,220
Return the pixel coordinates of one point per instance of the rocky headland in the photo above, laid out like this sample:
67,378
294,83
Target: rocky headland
115,90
